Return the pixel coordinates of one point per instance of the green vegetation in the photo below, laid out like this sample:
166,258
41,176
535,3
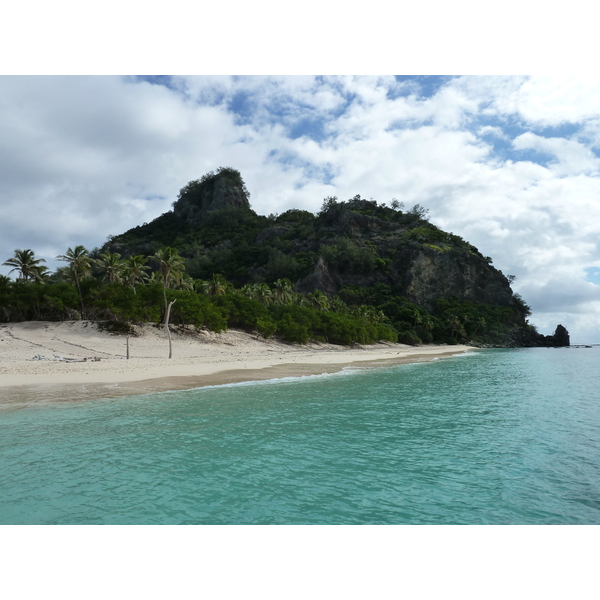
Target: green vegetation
357,272
216,305
357,315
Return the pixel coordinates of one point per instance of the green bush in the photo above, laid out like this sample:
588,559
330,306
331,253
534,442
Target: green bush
409,337
266,328
292,332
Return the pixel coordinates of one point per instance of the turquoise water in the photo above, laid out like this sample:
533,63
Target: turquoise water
498,437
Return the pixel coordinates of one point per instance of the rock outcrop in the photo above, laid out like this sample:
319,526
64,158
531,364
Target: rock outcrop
434,274
561,337
320,279
221,190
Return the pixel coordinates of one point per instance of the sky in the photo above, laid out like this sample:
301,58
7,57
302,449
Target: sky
510,163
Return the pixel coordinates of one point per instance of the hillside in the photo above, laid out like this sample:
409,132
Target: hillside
429,285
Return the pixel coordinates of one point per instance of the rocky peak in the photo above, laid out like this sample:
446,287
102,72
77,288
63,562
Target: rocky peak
218,190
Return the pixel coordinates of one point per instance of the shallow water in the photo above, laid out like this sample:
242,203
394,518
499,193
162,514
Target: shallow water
499,436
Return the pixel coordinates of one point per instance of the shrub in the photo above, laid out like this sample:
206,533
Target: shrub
409,337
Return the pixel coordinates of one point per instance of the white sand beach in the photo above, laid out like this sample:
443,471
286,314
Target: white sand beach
39,361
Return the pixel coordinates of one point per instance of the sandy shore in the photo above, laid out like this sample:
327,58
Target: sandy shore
35,357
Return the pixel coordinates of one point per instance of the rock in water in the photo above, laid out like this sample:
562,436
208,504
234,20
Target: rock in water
561,336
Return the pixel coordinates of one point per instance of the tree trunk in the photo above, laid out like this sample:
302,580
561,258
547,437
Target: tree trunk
79,291
167,305
167,315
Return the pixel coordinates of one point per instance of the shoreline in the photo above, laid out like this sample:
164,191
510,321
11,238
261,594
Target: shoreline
29,377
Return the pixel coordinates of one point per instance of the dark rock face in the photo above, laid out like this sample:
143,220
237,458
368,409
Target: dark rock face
319,279
561,337
221,191
433,274
529,338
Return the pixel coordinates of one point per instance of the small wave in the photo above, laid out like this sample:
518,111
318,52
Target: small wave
278,380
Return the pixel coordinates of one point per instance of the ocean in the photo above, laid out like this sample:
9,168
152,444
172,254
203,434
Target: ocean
488,437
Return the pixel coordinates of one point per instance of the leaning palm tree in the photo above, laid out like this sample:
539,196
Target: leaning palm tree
480,324
27,265
455,325
80,267
43,274
112,266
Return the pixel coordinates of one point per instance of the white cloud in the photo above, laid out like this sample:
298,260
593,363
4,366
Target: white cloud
571,157
546,101
553,100
492,131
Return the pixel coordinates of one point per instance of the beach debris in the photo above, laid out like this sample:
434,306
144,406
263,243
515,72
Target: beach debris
64,359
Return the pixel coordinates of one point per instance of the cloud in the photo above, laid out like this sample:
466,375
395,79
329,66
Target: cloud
570,157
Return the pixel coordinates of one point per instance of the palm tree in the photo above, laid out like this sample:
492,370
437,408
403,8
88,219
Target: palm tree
185,282
28,266
338,305
135,271
170,269
299,299
283,291
80,266
216,286
362,312
418,318
320,300
247,290
480,323
455,326
112,266
428,324
263,293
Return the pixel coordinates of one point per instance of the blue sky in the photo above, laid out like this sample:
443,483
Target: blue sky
509,163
